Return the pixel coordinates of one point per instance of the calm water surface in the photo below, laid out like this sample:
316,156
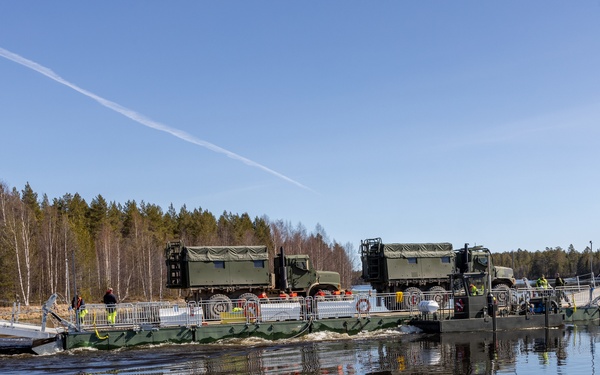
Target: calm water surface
571,350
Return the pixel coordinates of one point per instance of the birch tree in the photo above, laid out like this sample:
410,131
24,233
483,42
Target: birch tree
18,228
49,238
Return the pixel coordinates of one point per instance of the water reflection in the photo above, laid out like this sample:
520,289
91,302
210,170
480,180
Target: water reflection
550,351
474,353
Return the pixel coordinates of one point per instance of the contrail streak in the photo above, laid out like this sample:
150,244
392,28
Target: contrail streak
137,117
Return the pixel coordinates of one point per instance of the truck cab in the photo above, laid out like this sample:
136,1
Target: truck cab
479,259
299,276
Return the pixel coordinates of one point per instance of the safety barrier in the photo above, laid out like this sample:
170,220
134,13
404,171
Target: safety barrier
577,295
363,305
163,314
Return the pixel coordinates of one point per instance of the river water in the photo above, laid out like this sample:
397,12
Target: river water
570,350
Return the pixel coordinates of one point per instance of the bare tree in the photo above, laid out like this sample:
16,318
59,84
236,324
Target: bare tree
49,247
18,226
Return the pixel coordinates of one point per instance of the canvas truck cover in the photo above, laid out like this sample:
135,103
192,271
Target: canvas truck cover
417,250
410,262
224,253
226,266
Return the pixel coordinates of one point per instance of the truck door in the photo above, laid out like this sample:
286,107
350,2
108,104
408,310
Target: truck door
299,273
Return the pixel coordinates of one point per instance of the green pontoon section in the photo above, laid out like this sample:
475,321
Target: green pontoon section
122,338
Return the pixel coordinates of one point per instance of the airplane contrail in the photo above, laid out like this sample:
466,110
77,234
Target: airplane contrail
137,117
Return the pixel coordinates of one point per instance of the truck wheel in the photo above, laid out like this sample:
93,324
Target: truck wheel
503,294
437,294
248,297
218,304
412,297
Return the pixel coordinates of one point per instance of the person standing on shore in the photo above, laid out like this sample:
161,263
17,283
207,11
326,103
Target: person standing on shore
110,300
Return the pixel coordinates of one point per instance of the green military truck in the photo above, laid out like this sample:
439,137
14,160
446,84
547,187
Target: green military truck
222,273
413,268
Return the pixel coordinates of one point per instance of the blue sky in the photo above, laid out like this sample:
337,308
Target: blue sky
460,121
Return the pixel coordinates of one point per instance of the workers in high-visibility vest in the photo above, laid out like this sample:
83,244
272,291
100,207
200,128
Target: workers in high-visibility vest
473,290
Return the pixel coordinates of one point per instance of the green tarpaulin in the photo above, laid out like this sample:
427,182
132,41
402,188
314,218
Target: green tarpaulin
224,253
417,250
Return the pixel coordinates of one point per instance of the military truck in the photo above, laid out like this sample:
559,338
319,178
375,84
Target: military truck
416,267
222,273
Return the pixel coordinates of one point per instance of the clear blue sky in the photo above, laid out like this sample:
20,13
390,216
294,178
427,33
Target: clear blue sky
414,121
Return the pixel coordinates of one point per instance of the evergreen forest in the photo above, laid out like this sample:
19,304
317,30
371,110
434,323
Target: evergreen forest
54,246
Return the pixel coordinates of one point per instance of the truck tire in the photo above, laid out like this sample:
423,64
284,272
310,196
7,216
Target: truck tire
217,304
438,294
412,297
503,294
248,297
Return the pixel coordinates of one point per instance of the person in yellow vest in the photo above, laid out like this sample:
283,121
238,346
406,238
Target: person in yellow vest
110,300
473,290
542,282
78,304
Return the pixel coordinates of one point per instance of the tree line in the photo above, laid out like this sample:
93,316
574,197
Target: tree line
56,246
569,262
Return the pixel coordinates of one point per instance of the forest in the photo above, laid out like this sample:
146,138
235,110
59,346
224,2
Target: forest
56,246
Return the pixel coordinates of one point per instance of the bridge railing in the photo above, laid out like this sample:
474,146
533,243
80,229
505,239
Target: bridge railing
162,314
362,305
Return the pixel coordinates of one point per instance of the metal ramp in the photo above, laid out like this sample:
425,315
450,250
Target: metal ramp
12,328
32,338
26,330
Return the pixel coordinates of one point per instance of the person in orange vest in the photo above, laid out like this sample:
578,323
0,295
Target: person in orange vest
320,294
262,295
